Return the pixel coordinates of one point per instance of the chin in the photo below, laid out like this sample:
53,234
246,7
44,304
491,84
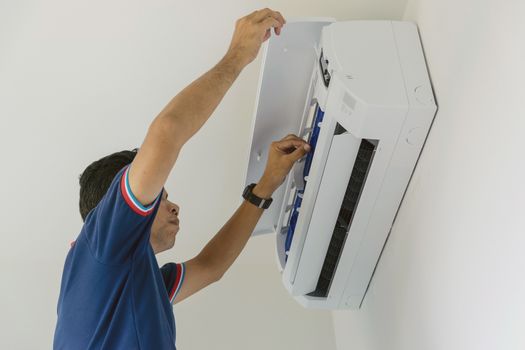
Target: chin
170,236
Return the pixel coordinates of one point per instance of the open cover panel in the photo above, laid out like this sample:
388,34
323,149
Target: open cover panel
284,83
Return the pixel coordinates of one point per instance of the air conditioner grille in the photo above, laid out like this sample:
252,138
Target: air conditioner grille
344,219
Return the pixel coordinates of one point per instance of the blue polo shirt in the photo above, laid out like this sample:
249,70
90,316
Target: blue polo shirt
113,294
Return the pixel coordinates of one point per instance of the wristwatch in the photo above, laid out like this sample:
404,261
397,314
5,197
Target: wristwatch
257,201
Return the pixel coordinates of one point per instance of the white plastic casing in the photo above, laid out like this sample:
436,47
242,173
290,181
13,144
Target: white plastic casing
379,91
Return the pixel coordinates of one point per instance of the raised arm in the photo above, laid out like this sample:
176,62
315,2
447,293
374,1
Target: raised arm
222,250
190,109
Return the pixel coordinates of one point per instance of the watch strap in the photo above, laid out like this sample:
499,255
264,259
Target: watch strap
255,200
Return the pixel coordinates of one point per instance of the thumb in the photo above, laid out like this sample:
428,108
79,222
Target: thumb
299,152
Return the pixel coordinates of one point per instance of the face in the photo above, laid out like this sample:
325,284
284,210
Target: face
165,225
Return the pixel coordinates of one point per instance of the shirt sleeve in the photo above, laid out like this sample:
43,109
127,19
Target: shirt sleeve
118,228
173,275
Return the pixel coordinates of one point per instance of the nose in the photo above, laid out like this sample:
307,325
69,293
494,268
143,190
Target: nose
174,209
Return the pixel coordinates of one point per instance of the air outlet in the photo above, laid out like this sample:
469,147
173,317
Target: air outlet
344,219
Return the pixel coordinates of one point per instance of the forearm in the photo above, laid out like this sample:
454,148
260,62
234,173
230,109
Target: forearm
224,248
192,107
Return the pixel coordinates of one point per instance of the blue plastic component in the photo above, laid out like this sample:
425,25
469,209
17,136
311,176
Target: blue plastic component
293,219
312,140
319,114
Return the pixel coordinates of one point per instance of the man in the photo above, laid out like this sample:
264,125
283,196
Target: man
113,294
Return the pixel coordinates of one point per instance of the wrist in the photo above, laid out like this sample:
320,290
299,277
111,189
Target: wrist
263,190
233,61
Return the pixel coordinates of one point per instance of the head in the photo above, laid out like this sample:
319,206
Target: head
95,181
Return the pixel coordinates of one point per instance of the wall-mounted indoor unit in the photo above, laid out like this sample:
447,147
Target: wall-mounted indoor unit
360,94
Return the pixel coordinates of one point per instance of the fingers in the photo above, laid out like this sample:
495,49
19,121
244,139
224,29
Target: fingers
282,156
260,15
290,136
294,147
268,19
251,31
289,145
271,22
299,152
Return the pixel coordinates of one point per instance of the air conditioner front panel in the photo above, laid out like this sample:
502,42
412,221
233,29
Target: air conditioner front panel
285,81
341,157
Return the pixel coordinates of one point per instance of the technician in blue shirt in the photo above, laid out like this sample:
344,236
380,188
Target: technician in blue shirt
113,294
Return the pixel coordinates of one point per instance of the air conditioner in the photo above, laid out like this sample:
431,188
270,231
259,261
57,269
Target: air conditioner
360,93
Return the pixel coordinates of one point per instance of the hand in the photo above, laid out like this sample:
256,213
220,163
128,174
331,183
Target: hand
251,31
281,157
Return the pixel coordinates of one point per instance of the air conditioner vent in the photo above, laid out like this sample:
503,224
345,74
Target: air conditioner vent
344,219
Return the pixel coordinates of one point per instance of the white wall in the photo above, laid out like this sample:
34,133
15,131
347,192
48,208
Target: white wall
79,80
452,275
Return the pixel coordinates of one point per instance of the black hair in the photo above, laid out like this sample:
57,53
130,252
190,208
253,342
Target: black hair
97,177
